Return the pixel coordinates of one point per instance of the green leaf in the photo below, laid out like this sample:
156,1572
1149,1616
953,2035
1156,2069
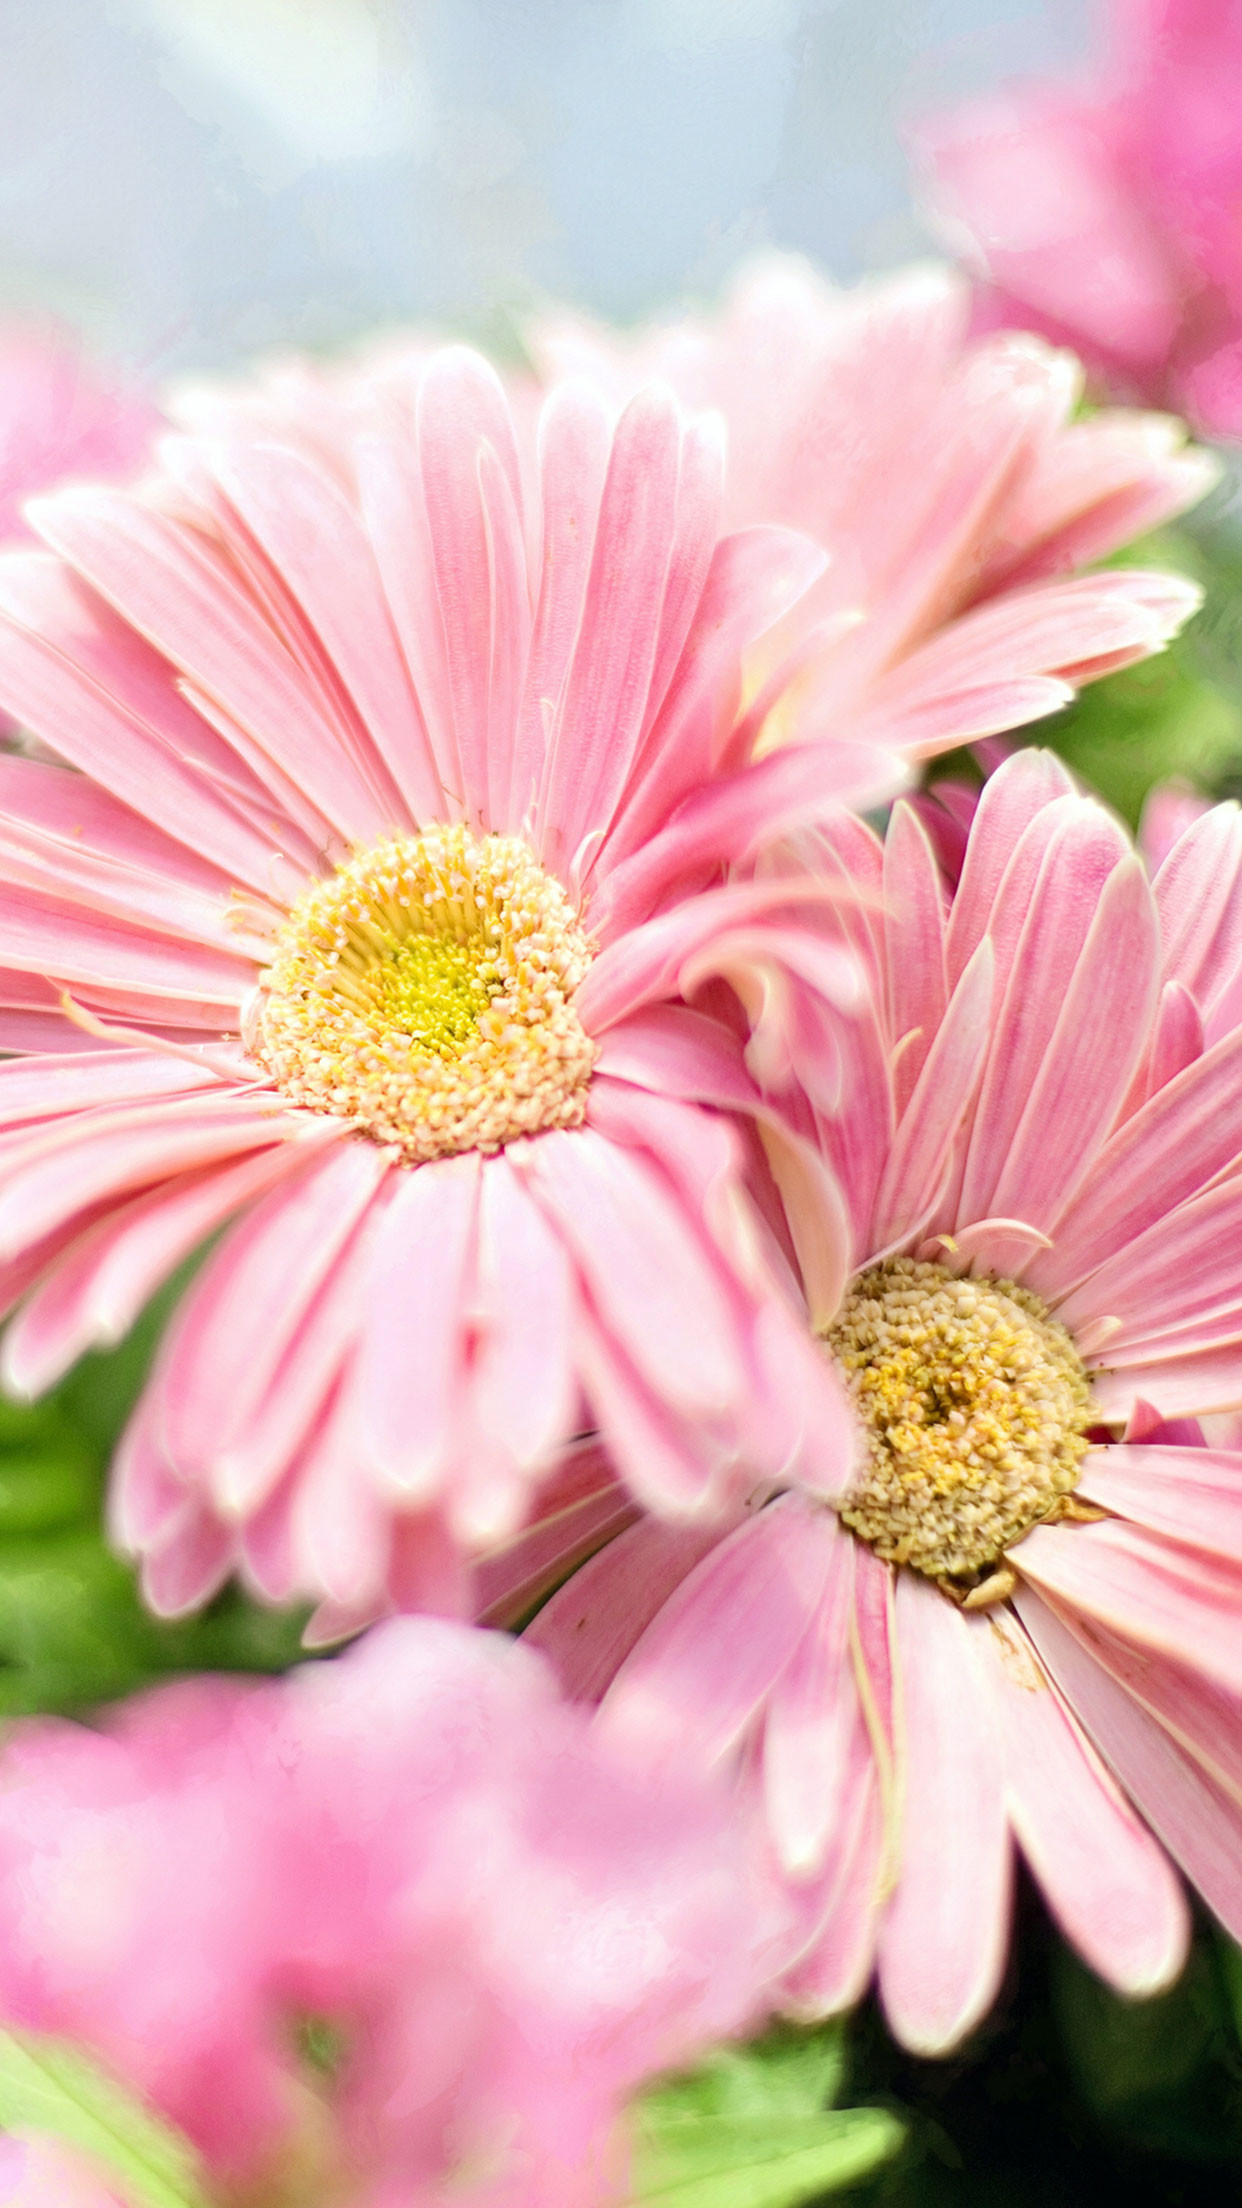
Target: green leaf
786,2073
760,2162
749,2129
47,2087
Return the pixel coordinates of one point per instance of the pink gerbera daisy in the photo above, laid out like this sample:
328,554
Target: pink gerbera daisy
949,481
358,920
1026,1621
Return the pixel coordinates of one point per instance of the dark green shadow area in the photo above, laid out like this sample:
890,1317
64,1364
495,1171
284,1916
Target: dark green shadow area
1068,2097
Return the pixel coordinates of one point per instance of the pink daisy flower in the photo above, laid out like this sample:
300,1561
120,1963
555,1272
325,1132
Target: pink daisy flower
949,482
1105,211
363,918
396,1929
1025,1624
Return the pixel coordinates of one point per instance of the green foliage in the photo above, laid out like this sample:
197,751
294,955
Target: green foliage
48,2089
752,2128
1164,2074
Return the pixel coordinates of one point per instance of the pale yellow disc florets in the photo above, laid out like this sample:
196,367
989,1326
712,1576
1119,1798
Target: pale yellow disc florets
974,1403
424,992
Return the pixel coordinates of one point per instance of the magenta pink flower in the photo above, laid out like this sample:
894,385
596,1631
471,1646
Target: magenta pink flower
1026,1623
949,484
369,916
1106,213
401,1923
60,416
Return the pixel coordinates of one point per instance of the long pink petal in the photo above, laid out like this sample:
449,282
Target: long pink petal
1009,801
1199,1825
1192,1495
604,705
706,1663
929,1127
592,1623
809,1724
91,1297
521,1381
215,1369
644,1265
1173,1601
944,1936
1113,1890
410,1365
184,600
78,1161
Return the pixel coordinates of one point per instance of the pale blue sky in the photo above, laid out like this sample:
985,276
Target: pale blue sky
193,180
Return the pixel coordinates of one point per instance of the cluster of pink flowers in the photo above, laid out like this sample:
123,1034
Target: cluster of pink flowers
438,869
1106,212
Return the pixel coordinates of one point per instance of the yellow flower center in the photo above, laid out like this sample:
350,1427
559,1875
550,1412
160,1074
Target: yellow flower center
974,1403
424,992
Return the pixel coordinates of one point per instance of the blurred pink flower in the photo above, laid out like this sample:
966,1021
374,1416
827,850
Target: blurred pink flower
1026,1623
947,480
400,1923
371,648
34,2173
60,416
1110,213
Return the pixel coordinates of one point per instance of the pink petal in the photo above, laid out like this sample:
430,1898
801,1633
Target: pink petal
810,1722
592,1623
644,1265
914,944
1193,1495
574,446
75,675
1174,1145
1199,1824
412,1325
319,548
1009,801
80,1160
1047,946
1112,1887
708,1661
945,1933
181,596
1173,1601
91,1296
604,705
521,1383
215,1373
928,1130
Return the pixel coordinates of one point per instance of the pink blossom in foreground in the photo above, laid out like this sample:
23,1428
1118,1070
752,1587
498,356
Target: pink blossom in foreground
1106,212
493,1924
1027,1624
368,918
60,416
34,2173
947,480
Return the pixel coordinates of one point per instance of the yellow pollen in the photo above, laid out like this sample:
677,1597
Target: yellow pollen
424,993
974,1403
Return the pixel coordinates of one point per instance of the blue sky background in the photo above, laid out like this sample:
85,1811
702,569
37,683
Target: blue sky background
192,181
